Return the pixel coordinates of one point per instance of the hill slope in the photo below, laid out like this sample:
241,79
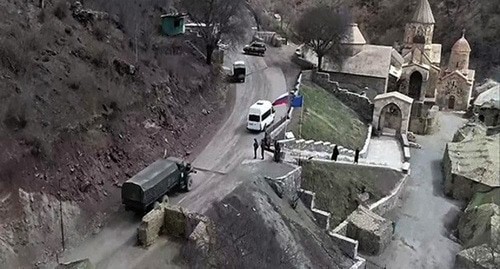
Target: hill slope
88,101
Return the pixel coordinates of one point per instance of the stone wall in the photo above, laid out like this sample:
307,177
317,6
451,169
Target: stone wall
321,217
386,204
372,86
174,221
287,186
151,226
359,103
373,232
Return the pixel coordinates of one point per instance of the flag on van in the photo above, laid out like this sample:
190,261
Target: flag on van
282,99
298,101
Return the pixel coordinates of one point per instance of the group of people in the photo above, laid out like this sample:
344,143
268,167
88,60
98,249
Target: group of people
336,154
265,144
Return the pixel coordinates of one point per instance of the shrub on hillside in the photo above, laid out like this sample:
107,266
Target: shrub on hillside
61,10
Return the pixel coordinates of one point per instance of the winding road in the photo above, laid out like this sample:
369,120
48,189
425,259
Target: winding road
115,245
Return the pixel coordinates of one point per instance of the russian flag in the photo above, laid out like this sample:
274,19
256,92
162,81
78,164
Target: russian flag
282,99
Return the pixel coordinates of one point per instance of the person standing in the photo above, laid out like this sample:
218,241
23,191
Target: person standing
262,147
356,156
255,147
335,153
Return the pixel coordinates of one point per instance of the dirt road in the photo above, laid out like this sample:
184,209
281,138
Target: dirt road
114,246
423,222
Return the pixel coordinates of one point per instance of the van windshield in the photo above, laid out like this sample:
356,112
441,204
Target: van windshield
255,118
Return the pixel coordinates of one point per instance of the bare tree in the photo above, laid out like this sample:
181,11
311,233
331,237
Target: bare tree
322,28
216,18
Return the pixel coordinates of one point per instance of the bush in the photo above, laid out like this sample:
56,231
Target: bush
61,10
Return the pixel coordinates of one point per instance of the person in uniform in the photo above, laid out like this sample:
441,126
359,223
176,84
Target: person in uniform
255,147
356,156
335,153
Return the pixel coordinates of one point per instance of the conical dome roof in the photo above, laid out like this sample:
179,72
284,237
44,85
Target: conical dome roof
462,45
424,13
354,36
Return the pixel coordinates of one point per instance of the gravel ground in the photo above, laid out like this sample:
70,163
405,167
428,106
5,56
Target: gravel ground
426,218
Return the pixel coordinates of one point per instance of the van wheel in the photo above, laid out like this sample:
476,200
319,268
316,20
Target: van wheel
188,185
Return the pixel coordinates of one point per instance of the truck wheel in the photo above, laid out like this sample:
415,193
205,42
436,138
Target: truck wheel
188,184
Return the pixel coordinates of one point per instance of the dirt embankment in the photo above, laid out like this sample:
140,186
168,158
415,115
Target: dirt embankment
254,228
86,102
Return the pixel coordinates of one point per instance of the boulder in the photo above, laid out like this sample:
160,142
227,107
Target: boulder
151,226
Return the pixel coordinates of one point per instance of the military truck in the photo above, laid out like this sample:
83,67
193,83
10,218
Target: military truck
256,48
239,71
140,192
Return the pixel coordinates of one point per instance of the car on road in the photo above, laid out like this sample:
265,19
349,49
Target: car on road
239,71
260,116
255,48
140,192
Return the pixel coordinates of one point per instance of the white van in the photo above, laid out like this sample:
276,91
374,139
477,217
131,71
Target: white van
260,115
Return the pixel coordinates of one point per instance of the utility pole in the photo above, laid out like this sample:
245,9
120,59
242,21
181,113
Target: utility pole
61,216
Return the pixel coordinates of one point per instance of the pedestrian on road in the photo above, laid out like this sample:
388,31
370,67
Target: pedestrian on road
356,155
335,153
255,147
262,147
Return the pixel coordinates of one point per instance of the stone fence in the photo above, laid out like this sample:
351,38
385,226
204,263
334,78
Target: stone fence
361,104
288,185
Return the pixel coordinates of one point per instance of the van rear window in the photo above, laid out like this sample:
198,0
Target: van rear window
255,118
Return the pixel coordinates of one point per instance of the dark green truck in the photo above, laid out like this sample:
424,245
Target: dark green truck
140,192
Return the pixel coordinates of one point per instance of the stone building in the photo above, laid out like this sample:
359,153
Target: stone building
422,58
391,113
487,107
471,166
365,68
454,88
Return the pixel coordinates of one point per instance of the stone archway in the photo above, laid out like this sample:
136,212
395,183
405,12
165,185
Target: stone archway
391,118
415,86
391,111
451,102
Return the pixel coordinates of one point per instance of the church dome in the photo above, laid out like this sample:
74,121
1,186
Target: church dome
353,36
462,45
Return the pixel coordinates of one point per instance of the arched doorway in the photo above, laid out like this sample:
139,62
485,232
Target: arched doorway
391,119
415,87
451,102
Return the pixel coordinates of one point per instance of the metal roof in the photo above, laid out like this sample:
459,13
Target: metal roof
424,13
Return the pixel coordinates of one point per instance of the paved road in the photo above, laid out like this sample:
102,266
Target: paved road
422,237
114,246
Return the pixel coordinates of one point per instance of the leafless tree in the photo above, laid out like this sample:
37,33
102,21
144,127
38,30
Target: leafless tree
322,28
216,18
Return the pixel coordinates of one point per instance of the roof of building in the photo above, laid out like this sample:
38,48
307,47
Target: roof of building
174,15
397,95
354,36
462,45
489,98
372,61
423,13
477,159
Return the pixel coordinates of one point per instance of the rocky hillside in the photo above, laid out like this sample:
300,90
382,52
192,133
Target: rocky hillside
89,95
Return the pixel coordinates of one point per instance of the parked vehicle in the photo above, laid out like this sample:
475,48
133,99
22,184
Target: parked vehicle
260,116
239,71
256,48
140,192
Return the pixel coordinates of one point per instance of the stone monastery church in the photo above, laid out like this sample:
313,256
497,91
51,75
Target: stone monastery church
409,86
424,79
